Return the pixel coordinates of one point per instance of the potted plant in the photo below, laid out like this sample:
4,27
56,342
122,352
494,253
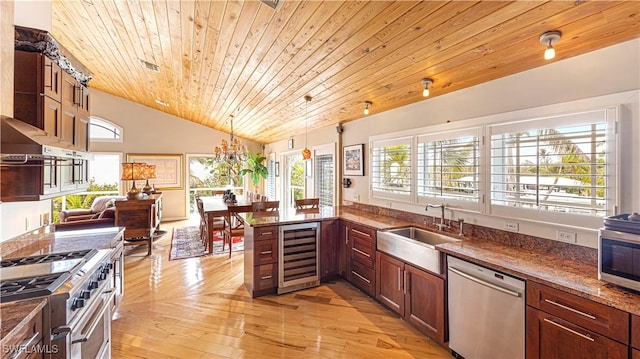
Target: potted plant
255,168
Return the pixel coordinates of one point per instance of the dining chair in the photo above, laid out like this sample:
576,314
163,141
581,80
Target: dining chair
307,205
234,224
264,198
265,208
218,225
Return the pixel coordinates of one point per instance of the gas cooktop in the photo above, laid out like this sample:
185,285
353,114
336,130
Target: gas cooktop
35,276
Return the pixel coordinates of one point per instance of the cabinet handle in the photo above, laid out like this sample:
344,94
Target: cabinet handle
569,330
406,282
266,277
50,76
570,309
266,252
24,346
266,233
361,252
399,280
361,277
346,237
361,233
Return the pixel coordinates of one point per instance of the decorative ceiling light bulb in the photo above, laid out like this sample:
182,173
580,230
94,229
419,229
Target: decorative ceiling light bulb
426,82
232,152
548,39
306,153
367,104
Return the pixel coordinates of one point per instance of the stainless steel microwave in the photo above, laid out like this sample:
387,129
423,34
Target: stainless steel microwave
619,258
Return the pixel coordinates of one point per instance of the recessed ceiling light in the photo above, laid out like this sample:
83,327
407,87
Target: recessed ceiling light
150,66
163,103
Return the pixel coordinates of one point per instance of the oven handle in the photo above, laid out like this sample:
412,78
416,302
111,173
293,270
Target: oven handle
95,323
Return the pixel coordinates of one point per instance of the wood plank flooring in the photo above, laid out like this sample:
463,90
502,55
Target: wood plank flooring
199,308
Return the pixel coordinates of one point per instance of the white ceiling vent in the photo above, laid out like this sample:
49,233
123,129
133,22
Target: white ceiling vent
274,4
150,66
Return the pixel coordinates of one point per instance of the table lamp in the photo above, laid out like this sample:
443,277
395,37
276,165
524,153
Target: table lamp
149,172
132,171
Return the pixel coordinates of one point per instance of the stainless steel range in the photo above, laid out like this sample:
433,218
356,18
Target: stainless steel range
80,292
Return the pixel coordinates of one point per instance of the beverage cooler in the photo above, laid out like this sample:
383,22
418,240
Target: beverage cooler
298,257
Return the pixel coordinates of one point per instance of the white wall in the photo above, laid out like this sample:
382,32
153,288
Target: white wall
20,217
552,87
146,130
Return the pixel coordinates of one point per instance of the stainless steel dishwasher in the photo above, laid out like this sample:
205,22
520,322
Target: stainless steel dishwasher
486,312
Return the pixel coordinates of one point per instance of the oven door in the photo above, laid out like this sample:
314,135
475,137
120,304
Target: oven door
91,336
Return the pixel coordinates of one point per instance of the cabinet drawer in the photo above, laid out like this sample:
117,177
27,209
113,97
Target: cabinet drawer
594,316
363,278
29,337
364,233
635,333
549,337
363,251
266,252
266,276
262,233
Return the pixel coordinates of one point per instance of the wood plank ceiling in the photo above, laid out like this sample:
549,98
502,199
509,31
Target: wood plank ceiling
243,58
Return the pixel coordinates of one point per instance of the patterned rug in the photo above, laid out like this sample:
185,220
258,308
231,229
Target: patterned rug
186,243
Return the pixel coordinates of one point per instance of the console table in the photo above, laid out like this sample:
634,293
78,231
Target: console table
141,219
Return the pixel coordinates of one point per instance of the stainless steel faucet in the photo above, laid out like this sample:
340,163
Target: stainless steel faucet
441,226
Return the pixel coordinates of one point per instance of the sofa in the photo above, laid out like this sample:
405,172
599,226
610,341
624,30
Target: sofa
101,214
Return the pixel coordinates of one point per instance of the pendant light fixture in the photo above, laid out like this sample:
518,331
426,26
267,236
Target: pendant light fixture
426,83
548,39
306,153
367,104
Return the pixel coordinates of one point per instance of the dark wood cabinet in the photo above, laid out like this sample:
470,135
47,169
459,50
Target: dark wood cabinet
344,251
563,325
635,337
358,256
329,251
261,260
141,219
27,339
549,336
51,99
413,293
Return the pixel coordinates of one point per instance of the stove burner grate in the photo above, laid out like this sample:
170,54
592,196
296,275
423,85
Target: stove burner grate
45,258
15,289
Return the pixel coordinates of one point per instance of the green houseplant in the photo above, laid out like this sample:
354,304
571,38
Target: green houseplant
255,168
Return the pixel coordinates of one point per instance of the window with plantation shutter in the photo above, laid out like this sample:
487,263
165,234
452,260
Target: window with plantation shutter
391,168
448,165
561,164
324,179
271,180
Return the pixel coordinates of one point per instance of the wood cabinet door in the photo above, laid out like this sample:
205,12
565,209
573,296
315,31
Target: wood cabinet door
68,125
344,247
52,117
550,337
390,278
635,332
425,302
83,106
51,79
81,132
70,91
329,249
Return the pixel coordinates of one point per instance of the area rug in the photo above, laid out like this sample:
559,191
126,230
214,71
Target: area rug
238,245
186,243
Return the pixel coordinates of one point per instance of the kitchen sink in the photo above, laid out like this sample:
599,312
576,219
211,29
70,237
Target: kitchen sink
415,246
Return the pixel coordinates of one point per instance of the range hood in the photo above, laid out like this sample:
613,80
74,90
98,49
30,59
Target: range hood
22,142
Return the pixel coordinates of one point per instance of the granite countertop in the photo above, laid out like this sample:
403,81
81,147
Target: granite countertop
545,267
44,241
15,315
374,221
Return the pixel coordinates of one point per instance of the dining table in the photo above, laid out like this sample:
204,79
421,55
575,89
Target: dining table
216,207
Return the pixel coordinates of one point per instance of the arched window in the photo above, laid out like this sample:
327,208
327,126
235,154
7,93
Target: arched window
102,130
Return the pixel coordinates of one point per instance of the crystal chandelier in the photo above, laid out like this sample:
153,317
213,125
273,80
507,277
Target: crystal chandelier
231,152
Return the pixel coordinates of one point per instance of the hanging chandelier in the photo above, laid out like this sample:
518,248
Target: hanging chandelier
306,152
232,152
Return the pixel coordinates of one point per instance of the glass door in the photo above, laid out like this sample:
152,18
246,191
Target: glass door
294,186
208,177
324,177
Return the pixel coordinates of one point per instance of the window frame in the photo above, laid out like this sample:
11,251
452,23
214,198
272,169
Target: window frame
119,129
610,118
392,141
467,204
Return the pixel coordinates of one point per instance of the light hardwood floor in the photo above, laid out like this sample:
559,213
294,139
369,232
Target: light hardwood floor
199,308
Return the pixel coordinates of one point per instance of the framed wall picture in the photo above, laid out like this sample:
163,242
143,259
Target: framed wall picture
168,169
353,160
